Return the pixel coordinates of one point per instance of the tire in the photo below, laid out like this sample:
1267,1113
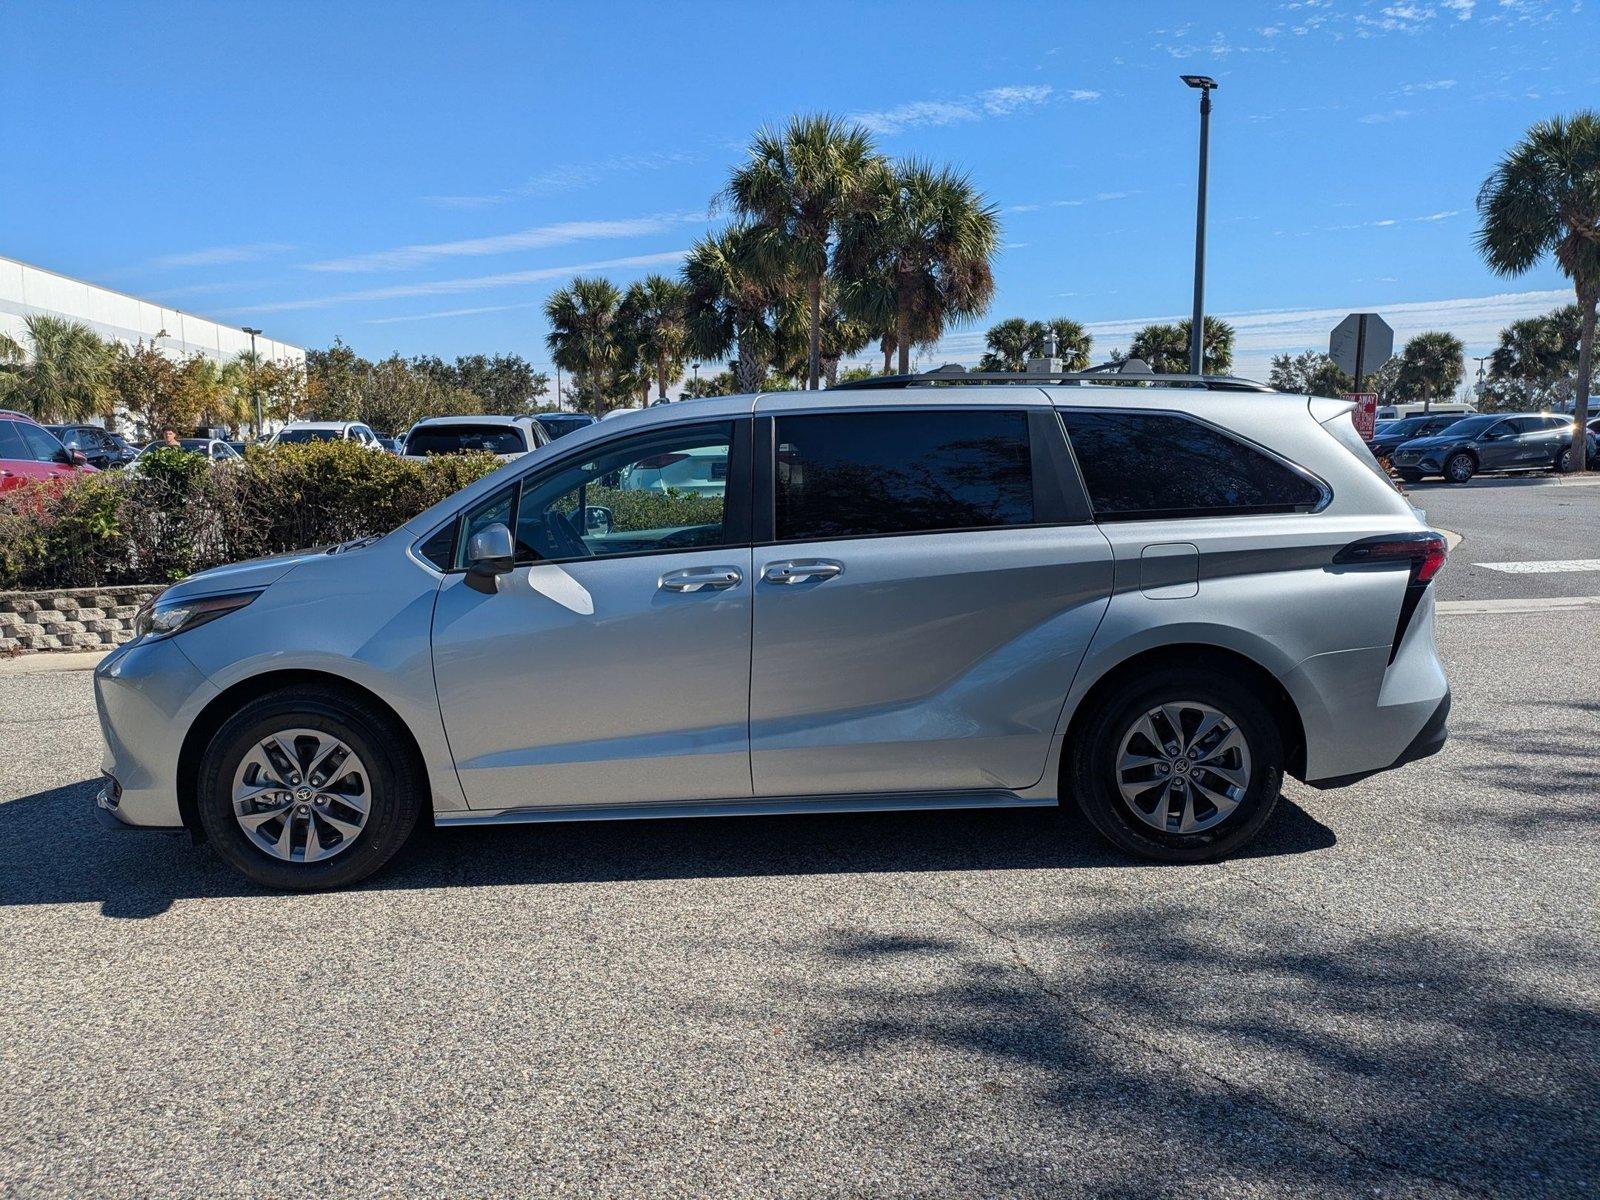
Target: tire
1563,462
1460,467
1110,732
348,845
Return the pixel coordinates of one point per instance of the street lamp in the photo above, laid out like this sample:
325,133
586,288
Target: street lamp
254,393
696,367
1205,84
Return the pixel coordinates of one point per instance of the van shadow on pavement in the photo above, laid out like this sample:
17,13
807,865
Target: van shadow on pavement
54,851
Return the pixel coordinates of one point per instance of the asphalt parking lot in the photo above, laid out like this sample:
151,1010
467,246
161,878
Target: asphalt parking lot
1396,992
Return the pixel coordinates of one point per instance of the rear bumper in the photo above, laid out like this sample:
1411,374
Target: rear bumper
1429,741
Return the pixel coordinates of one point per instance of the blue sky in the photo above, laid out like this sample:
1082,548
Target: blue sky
419,177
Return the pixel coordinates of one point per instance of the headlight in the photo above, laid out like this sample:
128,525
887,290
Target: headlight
159,617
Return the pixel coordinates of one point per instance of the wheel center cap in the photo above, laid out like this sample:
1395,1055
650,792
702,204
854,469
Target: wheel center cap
302,793
1182,766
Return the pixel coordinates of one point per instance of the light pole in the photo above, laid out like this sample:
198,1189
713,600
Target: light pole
1197,326
254,393
696,367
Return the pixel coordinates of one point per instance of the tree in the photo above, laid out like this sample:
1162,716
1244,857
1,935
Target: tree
1313,373
1544,198
731,304
63,374
655,333
799,185
149,385
1431,368
583,333
1166,347
916,256
1015,340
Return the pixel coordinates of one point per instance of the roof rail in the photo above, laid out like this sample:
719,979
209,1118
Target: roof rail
1129,371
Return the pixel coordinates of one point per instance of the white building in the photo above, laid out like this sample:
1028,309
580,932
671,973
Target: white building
28,290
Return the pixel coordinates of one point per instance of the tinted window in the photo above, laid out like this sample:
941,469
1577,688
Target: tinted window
858,474
42,445
1151,465
293,436
1468,426
11,444
559,426
665,490
458,439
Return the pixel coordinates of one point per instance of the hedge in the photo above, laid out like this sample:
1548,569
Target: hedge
178,513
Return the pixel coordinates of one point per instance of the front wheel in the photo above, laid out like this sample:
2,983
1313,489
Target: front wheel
1179,766
308,788
1459,468
1564,461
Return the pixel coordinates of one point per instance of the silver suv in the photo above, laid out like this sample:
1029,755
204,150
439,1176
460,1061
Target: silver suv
1155,601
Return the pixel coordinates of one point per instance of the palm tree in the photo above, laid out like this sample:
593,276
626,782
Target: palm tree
1166,347
731,303
655,326
1015,340
1431,367
1527,353
583,334
797,187
915,258
1544,198
64,378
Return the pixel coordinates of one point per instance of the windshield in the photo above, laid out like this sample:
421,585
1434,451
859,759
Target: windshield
1405,428
561,426
458,439
309,435
1468,427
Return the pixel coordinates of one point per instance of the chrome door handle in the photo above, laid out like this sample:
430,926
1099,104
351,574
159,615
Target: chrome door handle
693,579
798,570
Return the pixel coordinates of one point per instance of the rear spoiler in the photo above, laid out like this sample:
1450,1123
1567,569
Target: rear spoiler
1325,408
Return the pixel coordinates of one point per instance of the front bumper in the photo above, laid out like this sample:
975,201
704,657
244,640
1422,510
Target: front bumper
146,694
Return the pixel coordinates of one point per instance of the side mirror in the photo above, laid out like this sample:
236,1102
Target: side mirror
597,519
490,554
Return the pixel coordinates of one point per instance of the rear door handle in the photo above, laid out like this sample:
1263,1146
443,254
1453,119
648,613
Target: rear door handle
798,570
694,579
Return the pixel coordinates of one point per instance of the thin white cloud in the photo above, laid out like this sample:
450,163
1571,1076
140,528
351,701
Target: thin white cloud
444,287
1476,320
451,312
1430,85
1384,118
995,102
218,256
566,177
543,237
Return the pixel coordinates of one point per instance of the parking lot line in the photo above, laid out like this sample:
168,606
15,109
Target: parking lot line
1544,566
1525,604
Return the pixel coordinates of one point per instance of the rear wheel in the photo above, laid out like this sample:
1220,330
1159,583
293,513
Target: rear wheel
1459,468
1180,765
308,788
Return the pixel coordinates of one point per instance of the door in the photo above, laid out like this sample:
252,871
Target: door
612,665
929,583
45,457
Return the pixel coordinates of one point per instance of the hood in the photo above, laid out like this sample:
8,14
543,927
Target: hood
242,576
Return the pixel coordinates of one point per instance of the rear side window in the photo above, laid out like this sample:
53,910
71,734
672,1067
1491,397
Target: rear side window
458,439
42,446
1143,465
863,474
11,444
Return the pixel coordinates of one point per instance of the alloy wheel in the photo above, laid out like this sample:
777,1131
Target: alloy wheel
1183,767
302,795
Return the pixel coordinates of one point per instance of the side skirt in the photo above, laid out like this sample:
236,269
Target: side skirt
753,807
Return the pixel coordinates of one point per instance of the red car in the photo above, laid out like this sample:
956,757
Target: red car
29,451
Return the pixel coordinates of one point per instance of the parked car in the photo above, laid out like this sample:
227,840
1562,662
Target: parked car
701,471
217,450
100,448
30,452
975,596
1488,442
391,445
298,433
504,437
561,424
1386,440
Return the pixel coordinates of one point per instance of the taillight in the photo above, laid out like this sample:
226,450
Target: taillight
659,461
1423,550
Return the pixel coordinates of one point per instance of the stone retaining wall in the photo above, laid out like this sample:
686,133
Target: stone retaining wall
70,619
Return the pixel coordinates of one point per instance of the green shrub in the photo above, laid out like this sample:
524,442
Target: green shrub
179,513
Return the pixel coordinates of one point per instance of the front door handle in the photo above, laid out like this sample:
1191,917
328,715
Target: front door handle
694,579
798,570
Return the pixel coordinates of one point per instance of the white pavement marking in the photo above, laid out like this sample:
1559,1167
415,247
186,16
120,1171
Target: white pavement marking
1530,604
1543,566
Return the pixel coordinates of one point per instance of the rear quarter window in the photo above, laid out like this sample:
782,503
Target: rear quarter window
1139,466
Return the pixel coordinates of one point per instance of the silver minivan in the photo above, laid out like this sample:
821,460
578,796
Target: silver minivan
1152,601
